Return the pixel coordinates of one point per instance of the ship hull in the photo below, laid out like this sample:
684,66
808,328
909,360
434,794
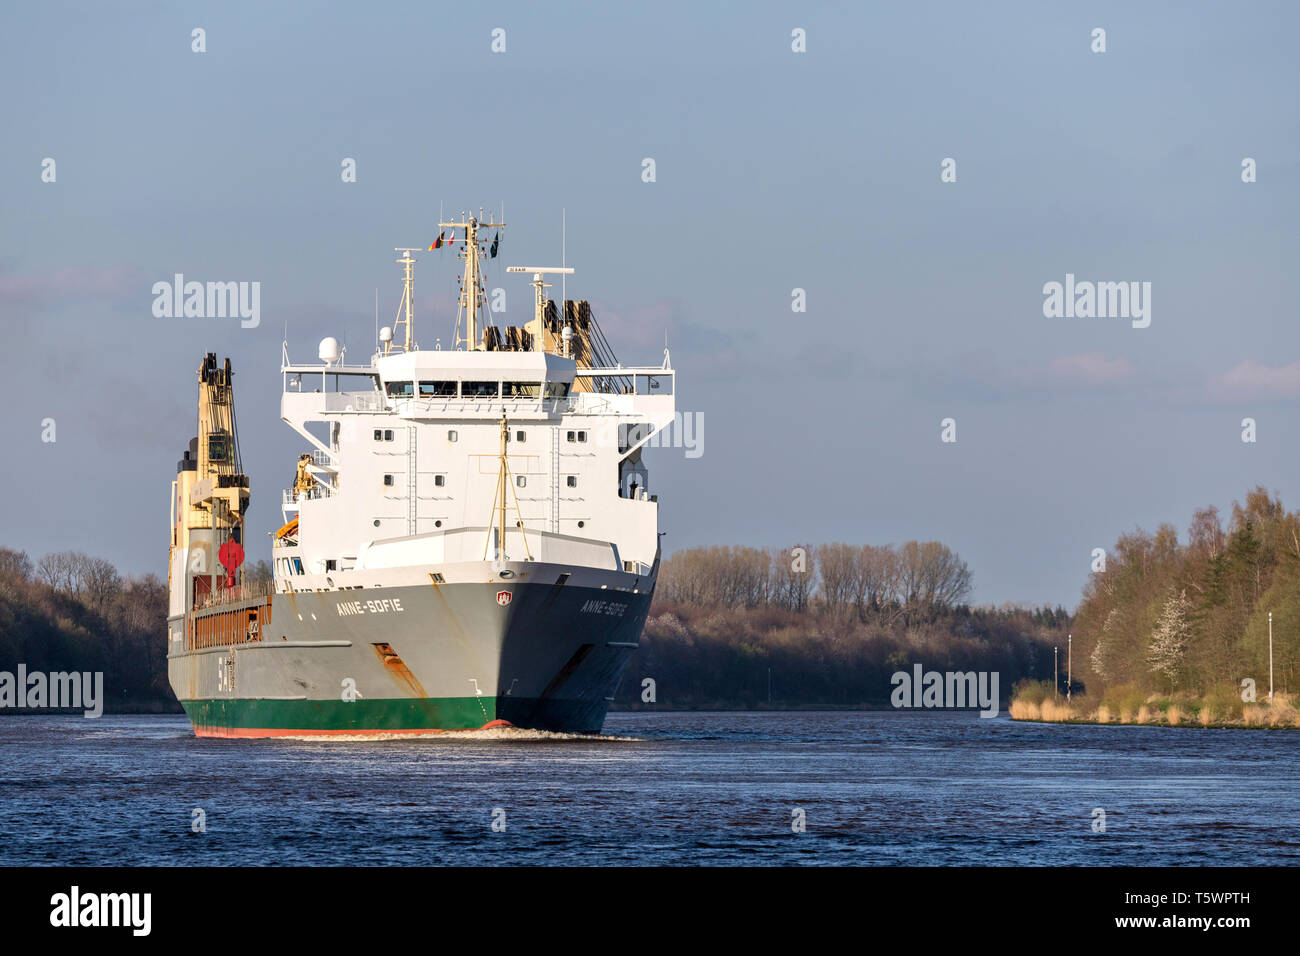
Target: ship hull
419,659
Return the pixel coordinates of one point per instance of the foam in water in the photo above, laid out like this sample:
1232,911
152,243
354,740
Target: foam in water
508,734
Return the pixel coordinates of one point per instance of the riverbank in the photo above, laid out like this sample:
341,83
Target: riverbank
1220,708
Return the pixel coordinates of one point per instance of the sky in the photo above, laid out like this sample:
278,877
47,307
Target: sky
775,170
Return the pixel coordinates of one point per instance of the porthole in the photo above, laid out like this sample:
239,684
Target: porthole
376,522
582,524
437,524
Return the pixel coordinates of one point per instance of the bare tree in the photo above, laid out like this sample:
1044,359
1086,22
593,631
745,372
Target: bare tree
15,564
55,570
839,575
99,580
932,576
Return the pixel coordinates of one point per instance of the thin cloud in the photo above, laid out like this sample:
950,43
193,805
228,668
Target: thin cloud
70,284
1092,368
1254,380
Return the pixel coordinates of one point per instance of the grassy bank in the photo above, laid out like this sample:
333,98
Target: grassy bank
1222,707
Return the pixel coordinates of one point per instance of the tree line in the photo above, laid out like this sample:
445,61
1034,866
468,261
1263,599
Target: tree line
1193,616
71,612
824,626
917,580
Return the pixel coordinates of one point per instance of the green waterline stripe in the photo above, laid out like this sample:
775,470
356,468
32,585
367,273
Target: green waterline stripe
405,713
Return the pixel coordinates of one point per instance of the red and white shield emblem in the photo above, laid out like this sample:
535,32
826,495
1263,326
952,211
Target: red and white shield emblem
503,598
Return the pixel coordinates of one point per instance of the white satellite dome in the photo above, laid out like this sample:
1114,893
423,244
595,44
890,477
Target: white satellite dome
385,334
329,350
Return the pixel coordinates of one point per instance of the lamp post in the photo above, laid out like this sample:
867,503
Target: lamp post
1056,671
1270,656
1069,668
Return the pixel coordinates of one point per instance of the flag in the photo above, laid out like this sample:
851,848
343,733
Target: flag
437,243
494,244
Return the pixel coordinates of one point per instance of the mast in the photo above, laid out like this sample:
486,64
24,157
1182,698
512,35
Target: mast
406,310
537,328
504,480
497,521
471,286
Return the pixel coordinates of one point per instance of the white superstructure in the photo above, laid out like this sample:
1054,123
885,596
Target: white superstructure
512,448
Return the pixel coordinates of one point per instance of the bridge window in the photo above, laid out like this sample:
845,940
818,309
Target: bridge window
521,389
557,389
401,389
442,389
478,389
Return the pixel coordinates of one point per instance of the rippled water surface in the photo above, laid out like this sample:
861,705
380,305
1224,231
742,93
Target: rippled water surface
697,788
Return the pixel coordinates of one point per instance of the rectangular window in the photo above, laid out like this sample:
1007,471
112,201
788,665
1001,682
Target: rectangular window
520,436
439,480
401,389
521,480
452,436
388,481
557,389
297,565
217,449
521,389
478,389
572,481
441,389
573,436
582,436
388,434
379,434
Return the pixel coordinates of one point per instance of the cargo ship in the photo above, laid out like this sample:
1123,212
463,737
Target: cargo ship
469,541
